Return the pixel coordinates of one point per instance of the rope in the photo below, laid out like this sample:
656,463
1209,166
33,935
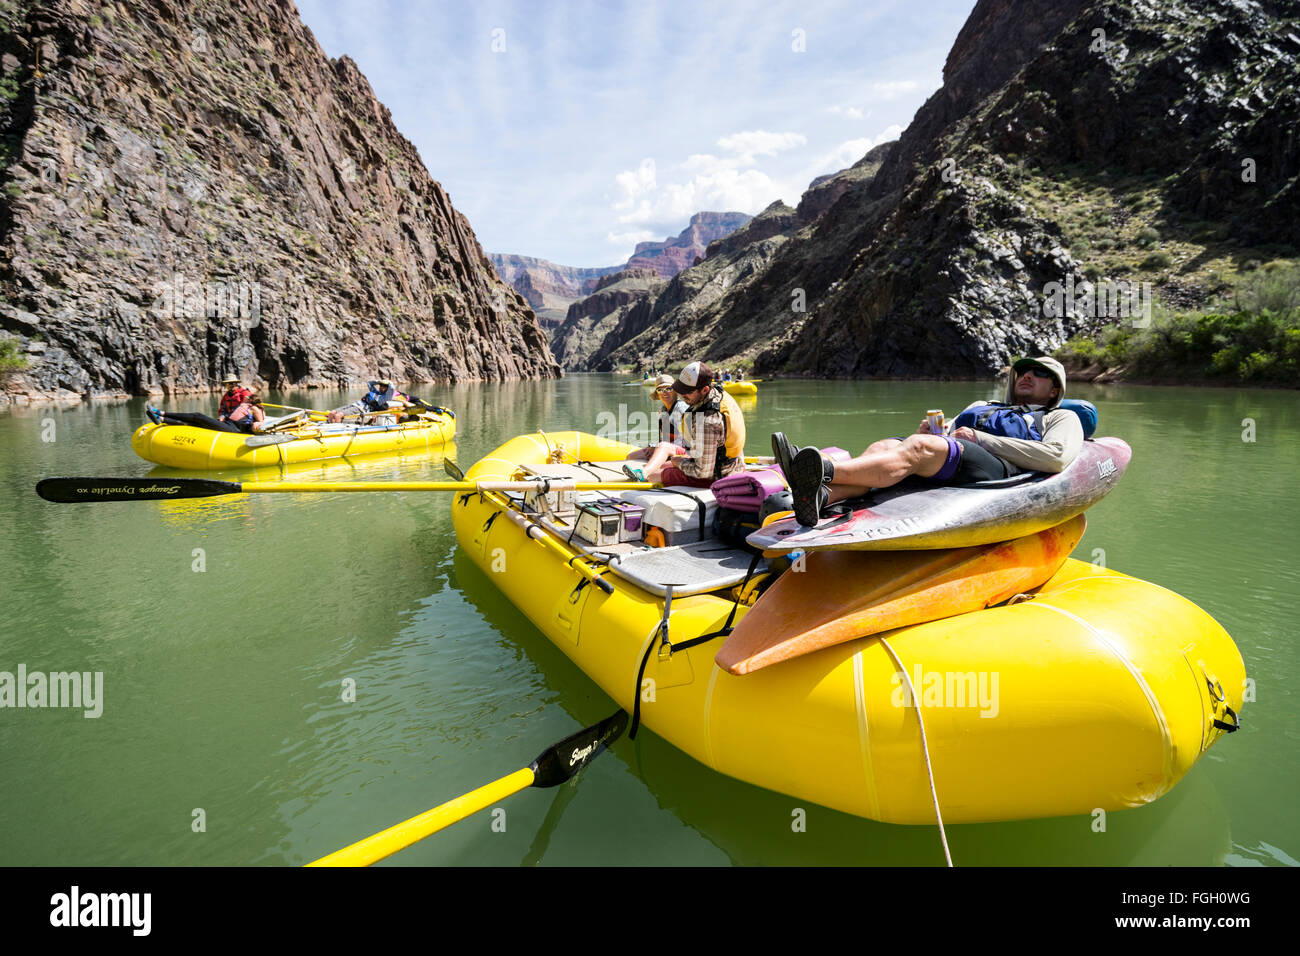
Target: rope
925,748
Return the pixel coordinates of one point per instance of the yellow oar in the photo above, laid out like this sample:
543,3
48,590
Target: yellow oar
295,408
76,490
553,766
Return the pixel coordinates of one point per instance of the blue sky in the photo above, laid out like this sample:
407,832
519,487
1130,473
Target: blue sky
573,130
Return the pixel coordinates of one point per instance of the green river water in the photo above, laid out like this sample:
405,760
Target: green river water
222,686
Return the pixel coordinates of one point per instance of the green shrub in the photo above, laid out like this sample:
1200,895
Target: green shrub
11,360
1146,236
1273,288
1157,260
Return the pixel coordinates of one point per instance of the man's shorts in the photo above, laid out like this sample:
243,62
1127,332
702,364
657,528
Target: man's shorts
969,462
672,475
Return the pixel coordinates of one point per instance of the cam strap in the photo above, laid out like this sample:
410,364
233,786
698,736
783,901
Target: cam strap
665,645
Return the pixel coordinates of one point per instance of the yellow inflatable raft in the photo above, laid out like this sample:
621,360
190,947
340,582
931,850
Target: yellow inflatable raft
740,388
1094,691
184,446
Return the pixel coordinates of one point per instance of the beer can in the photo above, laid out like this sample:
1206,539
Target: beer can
935,417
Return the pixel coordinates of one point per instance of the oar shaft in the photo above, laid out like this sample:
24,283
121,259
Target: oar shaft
402,835
297,487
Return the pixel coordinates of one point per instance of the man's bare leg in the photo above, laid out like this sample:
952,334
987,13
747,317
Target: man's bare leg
887,462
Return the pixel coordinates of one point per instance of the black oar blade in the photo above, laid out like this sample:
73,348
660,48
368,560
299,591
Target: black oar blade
453,469
561,761
78,490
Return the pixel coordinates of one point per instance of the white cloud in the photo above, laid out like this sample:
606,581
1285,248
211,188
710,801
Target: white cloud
852,112
634,183
887,91
704,181
629,238
759,142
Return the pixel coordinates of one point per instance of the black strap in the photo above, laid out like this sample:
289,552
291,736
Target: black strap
700,505
1229,727
686,645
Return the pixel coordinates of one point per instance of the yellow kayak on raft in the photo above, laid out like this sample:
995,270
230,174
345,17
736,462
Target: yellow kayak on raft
1093,690
190,447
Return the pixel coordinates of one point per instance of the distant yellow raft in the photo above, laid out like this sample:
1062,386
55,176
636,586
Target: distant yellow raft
1100,691
183,446
740,388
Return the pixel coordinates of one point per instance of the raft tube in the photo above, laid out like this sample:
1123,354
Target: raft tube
1097,691
185,446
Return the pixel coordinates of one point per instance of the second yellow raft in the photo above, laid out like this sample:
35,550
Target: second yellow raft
185,446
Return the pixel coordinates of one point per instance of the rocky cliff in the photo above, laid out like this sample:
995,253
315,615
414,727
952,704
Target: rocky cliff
551,289
192,189
591,319
1074,142
673,255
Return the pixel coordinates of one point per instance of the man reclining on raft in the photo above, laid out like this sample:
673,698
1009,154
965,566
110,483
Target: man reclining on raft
1029,432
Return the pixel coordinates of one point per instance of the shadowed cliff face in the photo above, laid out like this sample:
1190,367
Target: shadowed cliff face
193,189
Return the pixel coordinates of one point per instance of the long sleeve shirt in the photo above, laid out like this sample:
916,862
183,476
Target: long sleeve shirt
1062,439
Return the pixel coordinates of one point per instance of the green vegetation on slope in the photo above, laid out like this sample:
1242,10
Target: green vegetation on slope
1252,338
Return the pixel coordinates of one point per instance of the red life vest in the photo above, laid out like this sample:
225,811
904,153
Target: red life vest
232,400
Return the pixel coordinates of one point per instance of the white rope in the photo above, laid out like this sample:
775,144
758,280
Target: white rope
925,747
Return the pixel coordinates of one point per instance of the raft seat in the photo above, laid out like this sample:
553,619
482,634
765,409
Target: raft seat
690,568
694,562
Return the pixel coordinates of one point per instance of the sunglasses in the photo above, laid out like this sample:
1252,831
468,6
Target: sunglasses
1039,373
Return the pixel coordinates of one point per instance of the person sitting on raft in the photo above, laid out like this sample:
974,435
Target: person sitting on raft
993,440
382,394
714,432
670,421
245,417
234,396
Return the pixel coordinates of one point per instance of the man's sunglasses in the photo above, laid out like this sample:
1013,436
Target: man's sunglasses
1039,373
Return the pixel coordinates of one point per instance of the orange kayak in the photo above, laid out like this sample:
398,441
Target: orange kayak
861,593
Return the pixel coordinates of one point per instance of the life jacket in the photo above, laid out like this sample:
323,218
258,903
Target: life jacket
378,401
232,400
1007,421
733,422
670,423
242,417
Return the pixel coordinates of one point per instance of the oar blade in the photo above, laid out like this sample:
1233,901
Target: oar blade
453,470
79,490
561,761
259,441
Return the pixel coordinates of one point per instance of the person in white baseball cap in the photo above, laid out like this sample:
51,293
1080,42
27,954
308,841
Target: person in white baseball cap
713,430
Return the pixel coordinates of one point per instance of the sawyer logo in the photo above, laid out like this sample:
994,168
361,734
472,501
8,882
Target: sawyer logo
102,909
1106,468
581,753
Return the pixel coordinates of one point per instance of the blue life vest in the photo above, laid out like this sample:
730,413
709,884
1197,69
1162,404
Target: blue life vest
1016,421
1008,421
